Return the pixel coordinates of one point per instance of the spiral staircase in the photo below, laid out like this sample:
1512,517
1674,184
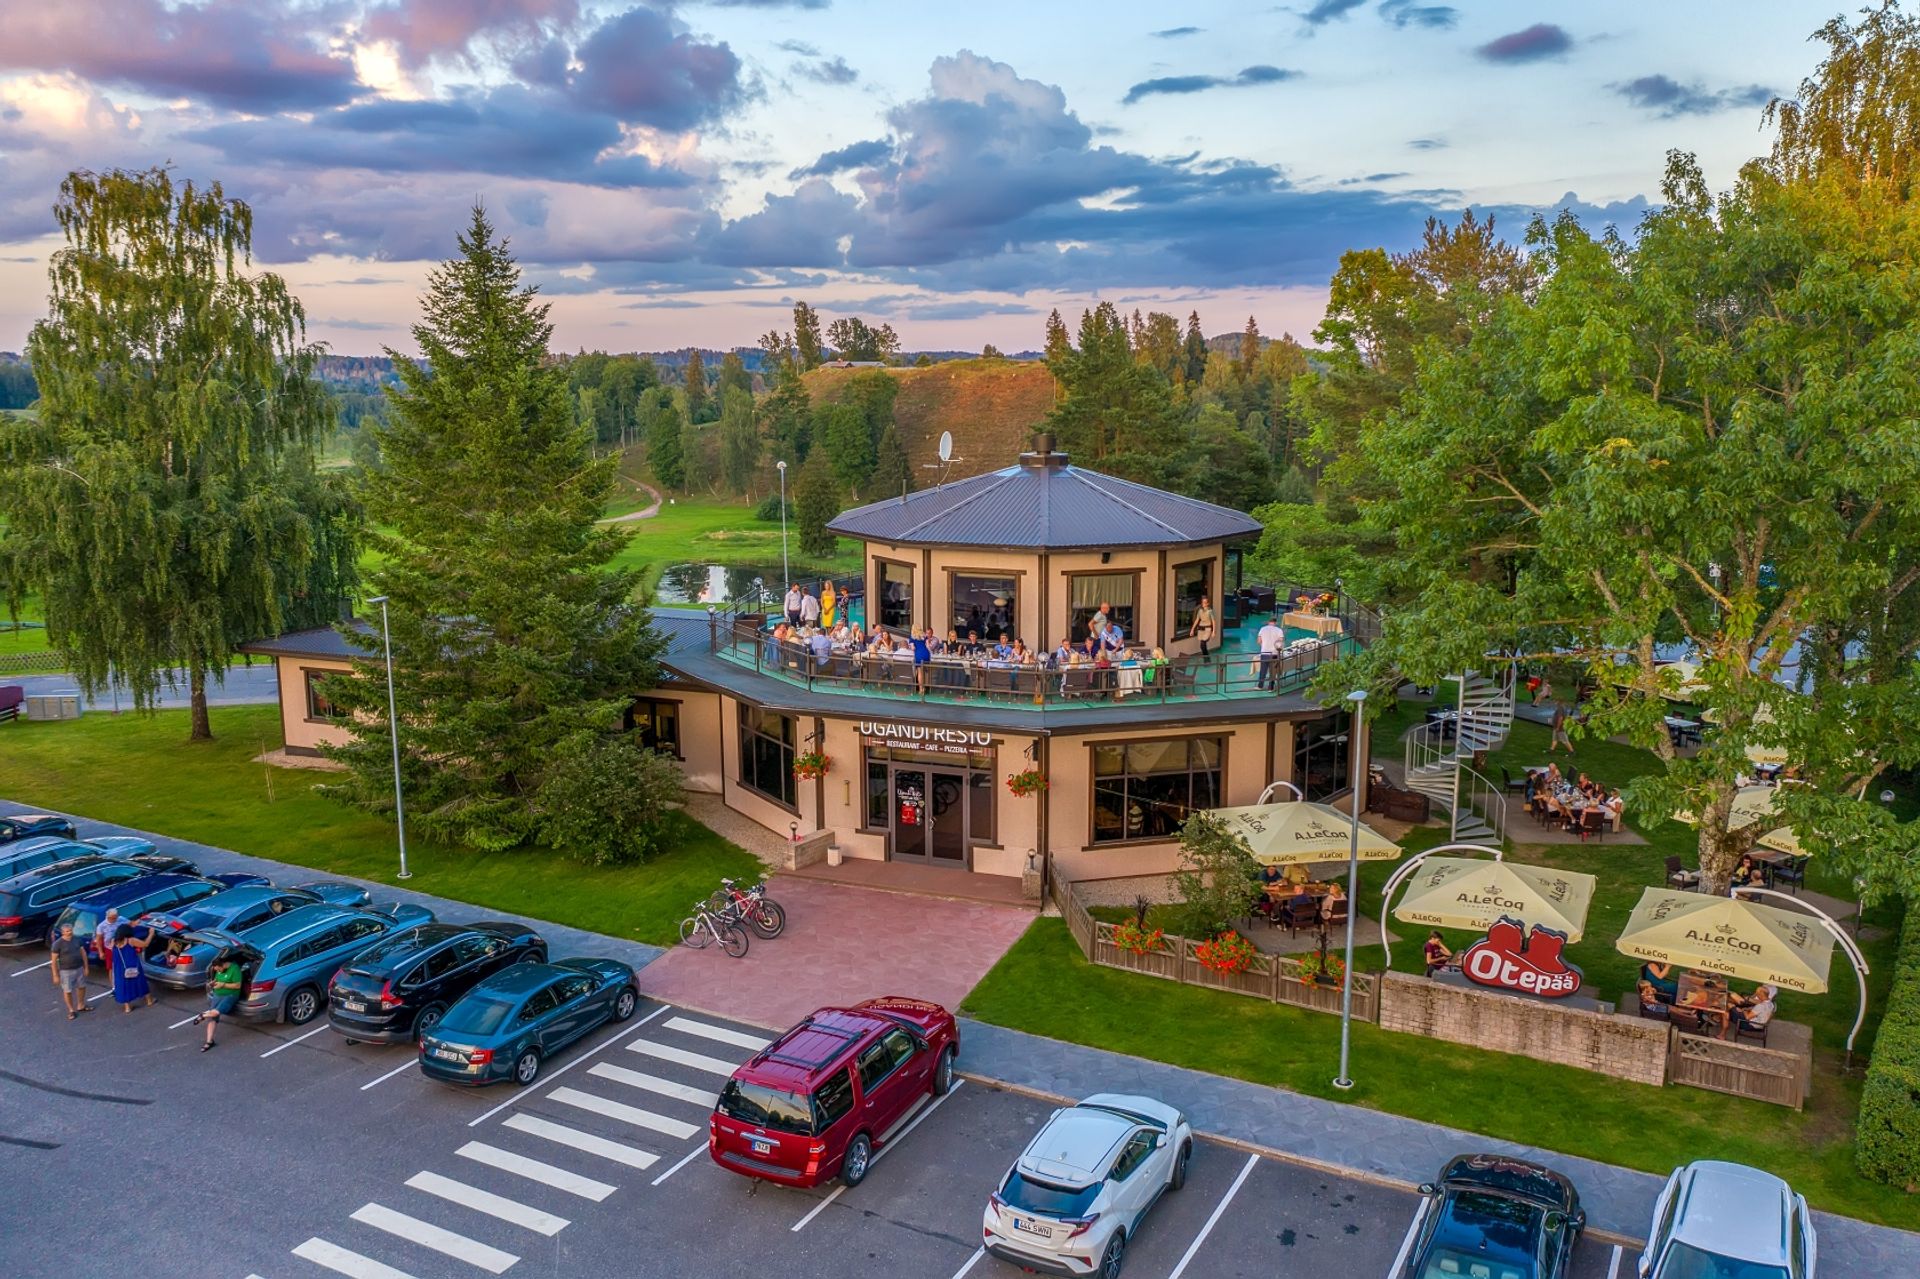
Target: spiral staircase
1439,757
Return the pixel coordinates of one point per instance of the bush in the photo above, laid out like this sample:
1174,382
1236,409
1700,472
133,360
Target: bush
1218,880
607,800
769,509
1887,1135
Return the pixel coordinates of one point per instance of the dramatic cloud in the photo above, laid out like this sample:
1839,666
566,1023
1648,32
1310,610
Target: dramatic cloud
1405,13
1174,33
422,30
244,55
1200,83
1327,10
1541,40
854,155
641,67
1670,98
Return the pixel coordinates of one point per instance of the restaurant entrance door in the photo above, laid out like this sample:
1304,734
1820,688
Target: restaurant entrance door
929,820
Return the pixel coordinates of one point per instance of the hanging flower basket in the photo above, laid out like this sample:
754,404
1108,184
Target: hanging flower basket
1030,782
1135,937
1321,969
1227,953
810,765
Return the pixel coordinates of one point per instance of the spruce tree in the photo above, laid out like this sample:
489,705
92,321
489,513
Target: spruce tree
733,374
816,500
666,448
1249,348
1058,345
1196,349
696,387
892,474
516,646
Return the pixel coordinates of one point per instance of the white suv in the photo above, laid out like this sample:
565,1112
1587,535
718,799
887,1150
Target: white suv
1069,1204
1719,1220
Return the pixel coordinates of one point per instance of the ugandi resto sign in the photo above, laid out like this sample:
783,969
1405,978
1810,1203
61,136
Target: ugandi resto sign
1509,958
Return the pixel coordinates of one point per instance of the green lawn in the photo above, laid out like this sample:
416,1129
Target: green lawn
702,530
143,772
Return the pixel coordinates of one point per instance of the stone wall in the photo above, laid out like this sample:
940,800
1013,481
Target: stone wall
1626,1047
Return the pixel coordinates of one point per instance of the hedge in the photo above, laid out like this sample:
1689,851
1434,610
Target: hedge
1887,1138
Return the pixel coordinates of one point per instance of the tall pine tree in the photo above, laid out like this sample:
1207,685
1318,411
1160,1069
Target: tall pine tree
697,393
1196,350
816,499
892,474
516,646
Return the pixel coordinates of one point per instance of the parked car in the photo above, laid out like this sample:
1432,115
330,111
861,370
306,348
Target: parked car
34,826
1495,1216
1074,1200
132,898
32,900
173,961
395,992
819,1100
63,847
31,854
285,962
1715,1220
511,1023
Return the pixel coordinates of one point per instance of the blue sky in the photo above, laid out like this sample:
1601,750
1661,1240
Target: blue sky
676,174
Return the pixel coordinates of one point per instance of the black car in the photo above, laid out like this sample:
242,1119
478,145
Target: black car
397,991
30,902
1496,1216
34,826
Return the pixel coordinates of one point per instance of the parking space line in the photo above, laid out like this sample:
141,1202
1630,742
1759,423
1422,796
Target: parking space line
36,968
619,1152
407,1065
102,995
681,1057
608,1042
653,1083
674,1128
720,1034
282,1047
841,1189
1613,1267
428,1235
972,1261
1406,1240
510,1210
534,1170
1220,1208
188,1021
341,1261
685,1159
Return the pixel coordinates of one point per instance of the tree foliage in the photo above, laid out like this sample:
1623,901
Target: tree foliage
892,473
1218,880
816,500
1114,414
854,339
808,348
739,440
843,435
698,392
607,800
666,449
733,376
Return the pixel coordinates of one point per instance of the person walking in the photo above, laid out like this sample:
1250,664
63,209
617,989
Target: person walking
1272,638
129,974
1203,625
223,996
1560,729
70,971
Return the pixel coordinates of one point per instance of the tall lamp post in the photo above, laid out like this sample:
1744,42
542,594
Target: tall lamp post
1357,749
786,574
393,732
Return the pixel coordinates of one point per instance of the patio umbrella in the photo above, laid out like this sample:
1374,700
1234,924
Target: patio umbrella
1753,804
1680,680
1460,892
1729,935
1298,832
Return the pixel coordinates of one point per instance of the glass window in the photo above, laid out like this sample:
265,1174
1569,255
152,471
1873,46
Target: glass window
874,1064
1088,591
318,707
766,1107
766,753
894,599
1320,755
1132,1155
980,796
658,725
1146,790
1190,583
438,964
574,988
833,1099
540,1003
899,1045
985,605
474,1016
876,791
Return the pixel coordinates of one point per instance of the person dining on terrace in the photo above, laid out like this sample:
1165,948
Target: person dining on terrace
1062,655
923,648
1753,1012
1658,976
820,648
1436,953
1616,807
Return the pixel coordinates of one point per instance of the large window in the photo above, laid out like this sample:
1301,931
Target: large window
766,753
1145,790
658,725
1320,755
984,605
1192,583
318,707
894,598
1088,591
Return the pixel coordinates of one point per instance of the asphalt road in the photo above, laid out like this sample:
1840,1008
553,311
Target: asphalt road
243,685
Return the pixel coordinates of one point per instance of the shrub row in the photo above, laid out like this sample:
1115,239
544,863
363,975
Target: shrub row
1887,1138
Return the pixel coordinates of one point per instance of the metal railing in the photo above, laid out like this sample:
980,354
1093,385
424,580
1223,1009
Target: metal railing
1478,793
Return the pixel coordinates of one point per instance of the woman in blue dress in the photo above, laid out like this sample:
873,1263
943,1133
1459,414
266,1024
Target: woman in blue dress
129,976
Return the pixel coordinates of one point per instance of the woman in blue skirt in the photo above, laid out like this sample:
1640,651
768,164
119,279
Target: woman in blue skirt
129,977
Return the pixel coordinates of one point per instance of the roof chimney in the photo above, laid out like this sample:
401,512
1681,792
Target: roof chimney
1044,457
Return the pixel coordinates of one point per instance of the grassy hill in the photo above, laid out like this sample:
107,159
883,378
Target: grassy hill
991,406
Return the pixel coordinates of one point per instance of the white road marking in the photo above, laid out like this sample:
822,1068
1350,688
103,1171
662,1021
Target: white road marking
102,995
1613,1267
188,1021
1406,1241
534,1170
619,1152
720,1034
653,1083
340,1261
1218,1209
680,1056
428,1235
486,1201
685,1159
674,1128
409,1064
291,1042
36,968
972,1261
608,1042
841,1189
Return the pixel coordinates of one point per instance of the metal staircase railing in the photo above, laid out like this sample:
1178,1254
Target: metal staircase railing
1441,769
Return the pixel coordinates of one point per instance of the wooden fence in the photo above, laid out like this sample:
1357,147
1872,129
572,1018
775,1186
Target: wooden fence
1783,1077
1275,978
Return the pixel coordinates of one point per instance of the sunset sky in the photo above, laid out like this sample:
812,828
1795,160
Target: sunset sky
678,174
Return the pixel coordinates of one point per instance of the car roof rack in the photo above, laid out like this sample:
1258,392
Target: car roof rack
845,1034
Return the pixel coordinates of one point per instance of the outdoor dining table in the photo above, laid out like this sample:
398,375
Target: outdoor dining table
1683,731
1706,996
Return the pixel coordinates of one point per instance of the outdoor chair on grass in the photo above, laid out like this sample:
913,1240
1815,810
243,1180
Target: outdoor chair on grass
1515,785
1679,876
1744,1030
1298,913
12,698
1792,873
1593,821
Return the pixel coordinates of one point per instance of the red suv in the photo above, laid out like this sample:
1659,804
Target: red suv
816,1102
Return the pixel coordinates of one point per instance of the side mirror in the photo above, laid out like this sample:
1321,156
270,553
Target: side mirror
1646,1265
1555,1221
1428,1189
1159,1141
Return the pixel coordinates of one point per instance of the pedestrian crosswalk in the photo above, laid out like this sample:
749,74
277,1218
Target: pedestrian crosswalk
550,1149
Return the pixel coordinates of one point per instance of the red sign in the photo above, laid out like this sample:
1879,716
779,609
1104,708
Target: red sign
1509,958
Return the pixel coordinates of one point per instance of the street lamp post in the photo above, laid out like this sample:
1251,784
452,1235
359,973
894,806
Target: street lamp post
1357,749
393,733
786,574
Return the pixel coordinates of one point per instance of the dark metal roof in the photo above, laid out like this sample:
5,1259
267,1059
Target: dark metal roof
322,641
1044,503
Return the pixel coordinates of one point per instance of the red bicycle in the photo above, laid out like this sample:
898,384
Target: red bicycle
752,907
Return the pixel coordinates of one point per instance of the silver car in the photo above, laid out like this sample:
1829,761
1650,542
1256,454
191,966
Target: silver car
287,961
1715,1218
175,962
1070,1204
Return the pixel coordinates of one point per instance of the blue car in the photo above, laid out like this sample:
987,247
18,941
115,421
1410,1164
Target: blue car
509,1024
287,961
32,900
33,826
31,854
175,962
133,898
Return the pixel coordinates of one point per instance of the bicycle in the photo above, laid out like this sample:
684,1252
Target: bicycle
752,905
702,928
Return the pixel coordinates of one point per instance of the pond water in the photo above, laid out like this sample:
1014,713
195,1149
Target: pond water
727,583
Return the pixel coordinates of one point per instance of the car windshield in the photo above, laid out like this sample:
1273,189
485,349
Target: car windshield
767,1107
1484,1235
1044,1197
475,1017
1684,1261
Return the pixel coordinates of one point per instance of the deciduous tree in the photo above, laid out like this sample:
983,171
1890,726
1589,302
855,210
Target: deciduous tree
739,440
806,337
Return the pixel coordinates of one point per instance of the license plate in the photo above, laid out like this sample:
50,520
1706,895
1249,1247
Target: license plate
1028,1226
446,1054
353,1005
761,1146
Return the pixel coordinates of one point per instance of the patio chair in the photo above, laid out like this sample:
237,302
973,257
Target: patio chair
1793,873
1593,821
1656,1011
1679,876
1687,1021
1515,785
1338,916
12,698
1300,912
1744,1030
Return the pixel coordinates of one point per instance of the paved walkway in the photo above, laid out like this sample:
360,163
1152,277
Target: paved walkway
644,513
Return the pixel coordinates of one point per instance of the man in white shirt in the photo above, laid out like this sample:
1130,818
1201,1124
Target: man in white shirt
1272,639
809,608
1758,1011
793,605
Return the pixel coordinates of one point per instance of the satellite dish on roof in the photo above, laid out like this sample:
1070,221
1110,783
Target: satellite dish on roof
946,446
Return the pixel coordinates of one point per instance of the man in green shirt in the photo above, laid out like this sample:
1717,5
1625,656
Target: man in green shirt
223,994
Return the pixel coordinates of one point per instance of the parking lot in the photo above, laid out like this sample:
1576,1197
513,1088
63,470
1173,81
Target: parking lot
288,1152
